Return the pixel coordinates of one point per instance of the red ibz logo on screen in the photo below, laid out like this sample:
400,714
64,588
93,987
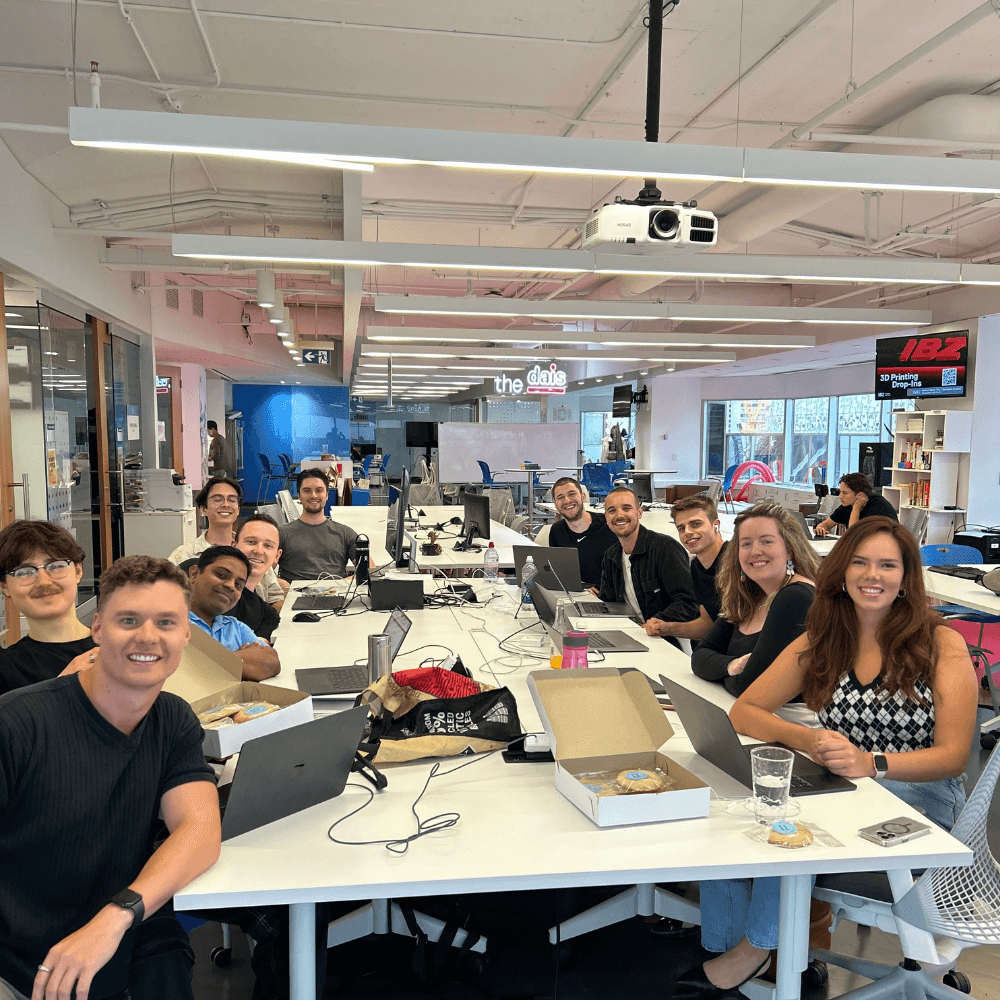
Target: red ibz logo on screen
928,349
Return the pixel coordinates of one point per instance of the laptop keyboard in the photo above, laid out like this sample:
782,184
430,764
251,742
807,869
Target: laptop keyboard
595,641
343,680
798,782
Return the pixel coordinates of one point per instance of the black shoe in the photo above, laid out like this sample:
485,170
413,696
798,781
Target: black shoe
695,985
668,927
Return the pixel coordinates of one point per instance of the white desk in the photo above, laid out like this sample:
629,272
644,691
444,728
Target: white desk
517,832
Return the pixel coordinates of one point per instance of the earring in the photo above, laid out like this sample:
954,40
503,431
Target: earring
843,586
902,593
790,567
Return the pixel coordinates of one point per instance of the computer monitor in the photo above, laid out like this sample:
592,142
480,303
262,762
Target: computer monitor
395,533
421,434
477,516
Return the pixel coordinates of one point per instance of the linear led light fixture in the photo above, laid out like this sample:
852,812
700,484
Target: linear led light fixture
520,259
451,335
541,355
337,145
442,305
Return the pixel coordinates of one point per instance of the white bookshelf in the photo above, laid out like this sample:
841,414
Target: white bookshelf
932,443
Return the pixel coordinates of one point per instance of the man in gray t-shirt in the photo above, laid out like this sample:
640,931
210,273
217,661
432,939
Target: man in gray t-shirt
314,546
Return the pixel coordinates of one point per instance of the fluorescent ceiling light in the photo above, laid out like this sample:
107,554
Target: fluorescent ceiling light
542,355
341,146
520,259
442,305
605,338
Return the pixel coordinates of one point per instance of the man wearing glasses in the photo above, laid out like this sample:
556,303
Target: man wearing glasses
219,500
40,567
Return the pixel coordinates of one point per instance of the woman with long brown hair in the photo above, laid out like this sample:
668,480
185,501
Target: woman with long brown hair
766,586
895,690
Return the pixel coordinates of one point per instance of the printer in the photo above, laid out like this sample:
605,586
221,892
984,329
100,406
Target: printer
987,542
164,490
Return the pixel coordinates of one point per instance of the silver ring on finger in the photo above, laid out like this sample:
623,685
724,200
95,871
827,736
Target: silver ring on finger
43,968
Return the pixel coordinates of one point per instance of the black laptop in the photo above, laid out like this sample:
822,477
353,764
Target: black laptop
288,771
563,560
352,678
319,602
713,737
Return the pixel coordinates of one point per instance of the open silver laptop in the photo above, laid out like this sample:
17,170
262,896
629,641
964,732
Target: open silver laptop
559,570
605,641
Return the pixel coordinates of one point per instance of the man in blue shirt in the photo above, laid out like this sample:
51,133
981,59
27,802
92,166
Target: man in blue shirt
217,581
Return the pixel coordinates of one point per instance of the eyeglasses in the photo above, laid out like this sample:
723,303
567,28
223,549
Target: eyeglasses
56,569
231,499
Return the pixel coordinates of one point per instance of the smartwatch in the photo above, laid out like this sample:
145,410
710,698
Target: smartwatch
129,900
881,765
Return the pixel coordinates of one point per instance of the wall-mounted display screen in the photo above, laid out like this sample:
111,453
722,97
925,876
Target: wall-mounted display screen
922,366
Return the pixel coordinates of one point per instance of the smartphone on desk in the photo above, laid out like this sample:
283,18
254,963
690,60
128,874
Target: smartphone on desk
894,831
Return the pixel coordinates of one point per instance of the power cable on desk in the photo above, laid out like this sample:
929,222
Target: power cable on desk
433,824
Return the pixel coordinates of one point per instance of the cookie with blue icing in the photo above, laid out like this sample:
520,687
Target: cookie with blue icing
639,779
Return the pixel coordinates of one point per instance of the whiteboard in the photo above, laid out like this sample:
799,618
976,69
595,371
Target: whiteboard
505,446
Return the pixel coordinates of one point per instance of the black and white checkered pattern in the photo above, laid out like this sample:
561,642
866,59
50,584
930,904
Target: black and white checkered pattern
874,721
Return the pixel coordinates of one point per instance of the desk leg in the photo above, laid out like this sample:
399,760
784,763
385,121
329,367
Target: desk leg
793,935
531,504
302,950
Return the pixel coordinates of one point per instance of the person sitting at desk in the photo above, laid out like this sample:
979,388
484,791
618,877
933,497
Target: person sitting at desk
896,691
766,583
217,580
86,763
697,522
857,500
647,570
315,546
586,531
41,566
259,539
219,501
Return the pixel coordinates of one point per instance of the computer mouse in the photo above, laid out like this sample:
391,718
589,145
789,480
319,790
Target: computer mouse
306,616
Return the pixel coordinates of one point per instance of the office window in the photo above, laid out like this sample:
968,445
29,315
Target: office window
810,433
755,431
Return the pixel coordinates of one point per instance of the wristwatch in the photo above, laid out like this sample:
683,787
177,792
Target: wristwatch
881,765
129,900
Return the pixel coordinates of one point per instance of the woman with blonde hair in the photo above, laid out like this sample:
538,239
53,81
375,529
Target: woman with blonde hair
766,586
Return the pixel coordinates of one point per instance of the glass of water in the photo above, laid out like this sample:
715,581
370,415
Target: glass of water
772,774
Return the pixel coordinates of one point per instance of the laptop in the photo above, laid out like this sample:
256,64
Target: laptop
353,677
713,737
564,559
972,573
288,771
800,517
604,641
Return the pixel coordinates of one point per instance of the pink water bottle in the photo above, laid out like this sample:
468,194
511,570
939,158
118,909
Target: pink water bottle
574,651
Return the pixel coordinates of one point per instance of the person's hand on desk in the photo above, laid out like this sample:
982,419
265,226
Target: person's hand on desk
656,626
594,591
78,957
819,531
259,661
736,666
82,662
837,753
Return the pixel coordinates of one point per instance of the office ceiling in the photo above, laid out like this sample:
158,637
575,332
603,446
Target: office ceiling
734,74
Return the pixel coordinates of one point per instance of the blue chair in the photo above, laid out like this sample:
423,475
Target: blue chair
488,479
268,476
394,494
597,479
361,498
727,486
365,465
959,555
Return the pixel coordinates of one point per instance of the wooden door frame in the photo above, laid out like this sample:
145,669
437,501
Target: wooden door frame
101,461
176,426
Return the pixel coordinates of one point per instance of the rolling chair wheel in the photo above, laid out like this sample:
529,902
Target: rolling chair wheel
816,973
222,957
988,740
957,981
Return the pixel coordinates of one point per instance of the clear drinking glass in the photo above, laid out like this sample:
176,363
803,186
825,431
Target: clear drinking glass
771,768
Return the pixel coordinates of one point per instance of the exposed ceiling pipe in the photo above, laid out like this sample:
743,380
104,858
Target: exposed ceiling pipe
142,45
205,42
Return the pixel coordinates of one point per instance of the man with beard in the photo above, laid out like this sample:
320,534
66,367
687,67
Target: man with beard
314,545
586,531
646,570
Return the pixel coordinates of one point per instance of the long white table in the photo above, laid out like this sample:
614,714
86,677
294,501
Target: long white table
516,831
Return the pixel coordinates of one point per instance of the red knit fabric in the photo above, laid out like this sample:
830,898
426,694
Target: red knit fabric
438,682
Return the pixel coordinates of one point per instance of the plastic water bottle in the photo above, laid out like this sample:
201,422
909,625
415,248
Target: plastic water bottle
527,575
491,563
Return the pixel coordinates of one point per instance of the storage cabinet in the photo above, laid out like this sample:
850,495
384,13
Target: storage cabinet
927,448
159,532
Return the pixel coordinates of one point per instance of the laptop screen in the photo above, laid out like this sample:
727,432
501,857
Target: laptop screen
396,628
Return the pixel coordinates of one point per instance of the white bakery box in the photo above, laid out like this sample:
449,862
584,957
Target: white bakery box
601,719
210,674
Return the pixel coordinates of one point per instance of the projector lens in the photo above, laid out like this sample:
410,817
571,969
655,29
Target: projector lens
663,224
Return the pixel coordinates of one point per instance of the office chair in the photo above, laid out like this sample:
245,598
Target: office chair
727,488
947,910
488,479
914,519
268,476
597,478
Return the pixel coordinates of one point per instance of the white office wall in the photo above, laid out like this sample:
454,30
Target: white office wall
668,427
984,460
194,413
215,392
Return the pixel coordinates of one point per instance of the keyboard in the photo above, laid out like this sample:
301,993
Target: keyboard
962,572
595,641
349,679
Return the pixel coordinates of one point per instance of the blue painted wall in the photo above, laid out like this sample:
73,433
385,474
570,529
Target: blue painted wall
298,420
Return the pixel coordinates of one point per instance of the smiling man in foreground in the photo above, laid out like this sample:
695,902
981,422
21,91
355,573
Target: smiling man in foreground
87,762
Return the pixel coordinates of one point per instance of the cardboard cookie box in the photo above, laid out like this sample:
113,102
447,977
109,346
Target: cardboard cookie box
603,720
210,674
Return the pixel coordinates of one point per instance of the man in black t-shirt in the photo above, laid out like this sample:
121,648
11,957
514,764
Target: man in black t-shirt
857,500
87,762
41,565
586,531
259,539
697,521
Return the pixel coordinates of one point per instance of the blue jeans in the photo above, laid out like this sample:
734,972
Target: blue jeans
733,909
